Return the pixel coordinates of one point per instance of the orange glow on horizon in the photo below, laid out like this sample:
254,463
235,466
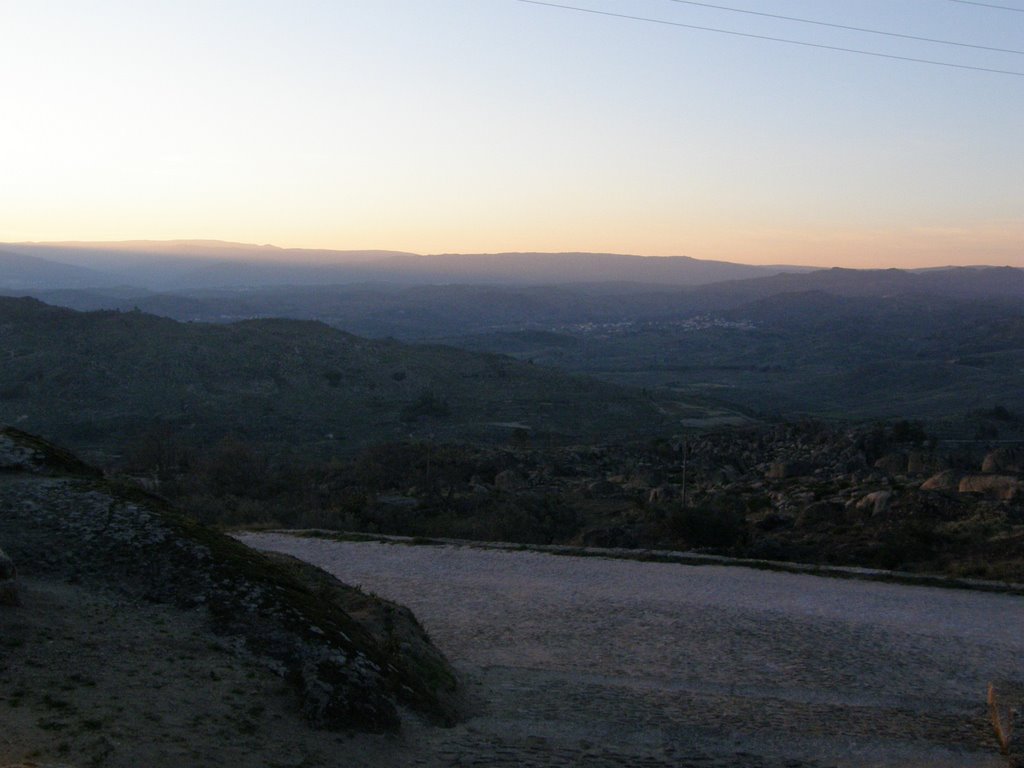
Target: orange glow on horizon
998,244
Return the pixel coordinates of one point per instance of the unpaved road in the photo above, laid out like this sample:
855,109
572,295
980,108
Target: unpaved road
599,662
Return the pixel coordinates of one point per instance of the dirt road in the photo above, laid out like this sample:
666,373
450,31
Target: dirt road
598,662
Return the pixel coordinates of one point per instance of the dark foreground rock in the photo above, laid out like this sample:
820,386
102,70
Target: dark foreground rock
60,519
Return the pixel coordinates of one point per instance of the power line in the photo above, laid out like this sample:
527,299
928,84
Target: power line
852,29
989,5
773,39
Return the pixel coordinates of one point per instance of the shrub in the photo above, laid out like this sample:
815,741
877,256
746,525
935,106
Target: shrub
427,405
708,526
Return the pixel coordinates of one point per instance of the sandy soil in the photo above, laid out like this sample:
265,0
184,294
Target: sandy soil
613,662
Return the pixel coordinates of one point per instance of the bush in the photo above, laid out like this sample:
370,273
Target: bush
706,526
427,405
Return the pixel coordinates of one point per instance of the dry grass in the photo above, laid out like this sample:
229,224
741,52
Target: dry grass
1002,726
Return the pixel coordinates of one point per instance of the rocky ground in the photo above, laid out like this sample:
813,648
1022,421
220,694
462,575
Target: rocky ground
882,496
131,636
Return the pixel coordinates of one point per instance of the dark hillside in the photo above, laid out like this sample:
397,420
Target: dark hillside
94,380
66,529
904,355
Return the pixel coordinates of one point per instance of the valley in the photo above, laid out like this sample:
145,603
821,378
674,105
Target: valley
803,421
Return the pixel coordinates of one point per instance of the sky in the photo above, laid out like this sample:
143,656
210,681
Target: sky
468,126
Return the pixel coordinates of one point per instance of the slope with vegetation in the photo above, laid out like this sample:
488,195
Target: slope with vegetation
347,661
881,495
838,342
98,380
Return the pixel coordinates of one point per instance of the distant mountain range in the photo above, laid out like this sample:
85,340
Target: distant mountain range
858,343
196,265
447,311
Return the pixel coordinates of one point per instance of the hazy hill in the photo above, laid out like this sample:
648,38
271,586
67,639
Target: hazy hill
858,343
452,311
952,282
19,271
93,379
566,268
891,358
191,265
196,264
903,355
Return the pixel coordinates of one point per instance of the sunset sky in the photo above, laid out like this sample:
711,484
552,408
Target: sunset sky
496,125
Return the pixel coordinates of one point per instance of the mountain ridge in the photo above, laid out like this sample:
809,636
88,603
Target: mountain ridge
136,263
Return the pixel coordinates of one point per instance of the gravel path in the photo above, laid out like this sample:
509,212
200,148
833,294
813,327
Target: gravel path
614,662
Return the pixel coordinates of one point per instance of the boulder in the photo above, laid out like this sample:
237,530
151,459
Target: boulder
508,480
1005,460
948,480
893,464
996,487
876,502
781,470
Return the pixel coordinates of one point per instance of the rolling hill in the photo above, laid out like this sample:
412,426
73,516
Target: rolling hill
96,379
20,272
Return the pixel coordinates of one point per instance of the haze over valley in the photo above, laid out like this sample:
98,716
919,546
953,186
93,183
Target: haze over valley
933,344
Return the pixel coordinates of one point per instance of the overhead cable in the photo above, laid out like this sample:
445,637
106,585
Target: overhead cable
849,28
804,43
989,5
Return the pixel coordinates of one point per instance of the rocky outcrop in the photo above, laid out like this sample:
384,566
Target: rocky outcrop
876,503
947,480
508,480
1004,461
820,512
908,463
59,518
893,464
996,487
409,652
22,452
782,470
